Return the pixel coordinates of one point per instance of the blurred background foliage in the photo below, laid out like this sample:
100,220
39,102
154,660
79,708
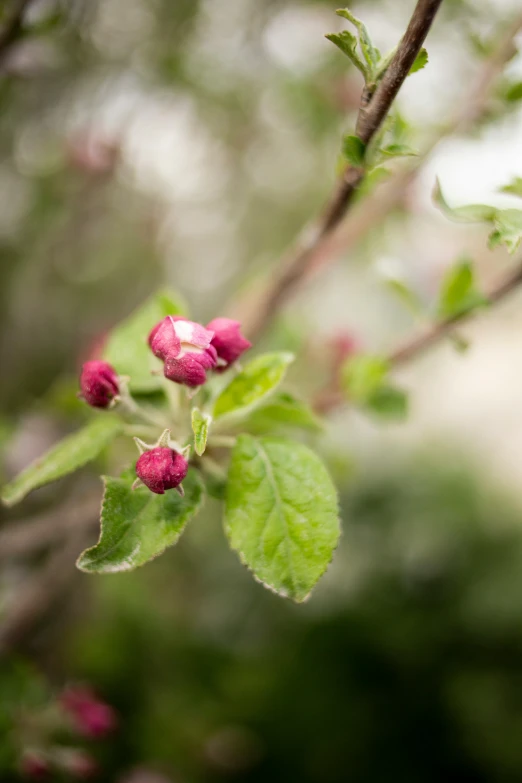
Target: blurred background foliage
148,141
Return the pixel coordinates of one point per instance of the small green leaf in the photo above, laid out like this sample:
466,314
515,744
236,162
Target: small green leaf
281,514
472,213
388,402
127,348
353,150
200,427
347,43
253,384
365,381
398,151
514,187
458,293
67,456
282,411
420,61
407,296
137,525
513,92
370,53
507,229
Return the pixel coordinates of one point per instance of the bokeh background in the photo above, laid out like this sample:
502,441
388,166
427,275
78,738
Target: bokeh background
187,142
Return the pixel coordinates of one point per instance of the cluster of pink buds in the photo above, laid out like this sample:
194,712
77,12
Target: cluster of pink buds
188,350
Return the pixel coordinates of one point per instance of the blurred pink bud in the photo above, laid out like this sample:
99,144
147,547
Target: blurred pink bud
98,384
186,349
92,153
34,766
228,341
161,468
91,716
80,765
342,346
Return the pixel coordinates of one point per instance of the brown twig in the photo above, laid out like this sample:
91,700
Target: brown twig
331,398
12,28
371,116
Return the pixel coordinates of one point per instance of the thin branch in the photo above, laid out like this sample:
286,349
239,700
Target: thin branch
13,27
371,116
331,398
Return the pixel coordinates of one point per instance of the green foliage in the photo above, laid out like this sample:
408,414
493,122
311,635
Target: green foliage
200,427
398,151
138,525
282,411
370,53
127,348
281,514
347,43
353,150
365,382
513,92
420,61
68,455
407,296
514,188
253,384
507,223
458,293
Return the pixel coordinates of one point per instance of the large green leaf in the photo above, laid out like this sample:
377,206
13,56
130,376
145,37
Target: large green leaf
67,456
281,513
137,525
282,411
253,384
127,349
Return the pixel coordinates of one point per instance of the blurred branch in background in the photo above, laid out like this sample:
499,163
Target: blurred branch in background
324,247
370,118
13,27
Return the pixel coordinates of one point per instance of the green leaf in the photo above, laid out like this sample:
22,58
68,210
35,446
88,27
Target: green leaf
253,384
365,381
67,456
281,514
420,61
407,296
200,427
458,293
282,411
507,229
513,92
138,525
353,150
398,151
347,43
127,349
388,402
514,187
472,213
370,53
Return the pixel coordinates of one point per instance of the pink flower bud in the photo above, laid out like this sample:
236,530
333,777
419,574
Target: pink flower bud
228,340
161,468
91,716
34,766
98,384
80,765
186,349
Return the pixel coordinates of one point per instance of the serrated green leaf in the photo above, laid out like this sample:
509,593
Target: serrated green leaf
398,151
281,514
507,229
514,187
353,150
282,411
458,292
67,456
370,53
200,427
347,43
472,213
253,384
137,526
420,61
127,349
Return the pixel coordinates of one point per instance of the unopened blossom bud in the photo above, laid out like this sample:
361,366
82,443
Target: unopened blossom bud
98,384
80,765
186,349
34,766
161,468
228,341
91,716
